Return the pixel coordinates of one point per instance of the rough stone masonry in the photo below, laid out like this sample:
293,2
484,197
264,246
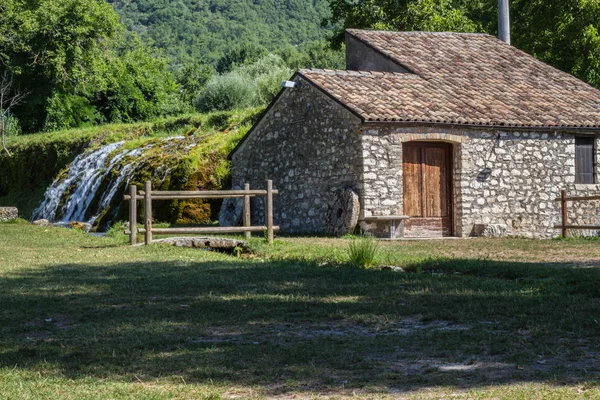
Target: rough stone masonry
8,214
505,182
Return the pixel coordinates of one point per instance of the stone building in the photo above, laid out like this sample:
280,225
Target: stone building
427,134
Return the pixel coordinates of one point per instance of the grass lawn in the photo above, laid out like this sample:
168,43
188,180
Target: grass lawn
86,317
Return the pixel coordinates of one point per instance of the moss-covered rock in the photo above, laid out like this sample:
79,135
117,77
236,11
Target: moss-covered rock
197,160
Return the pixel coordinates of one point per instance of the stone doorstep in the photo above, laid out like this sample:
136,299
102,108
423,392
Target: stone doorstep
212,243
8,214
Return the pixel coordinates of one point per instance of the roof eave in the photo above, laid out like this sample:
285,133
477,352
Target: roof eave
574,129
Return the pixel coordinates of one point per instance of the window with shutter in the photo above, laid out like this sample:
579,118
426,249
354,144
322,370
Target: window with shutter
584,160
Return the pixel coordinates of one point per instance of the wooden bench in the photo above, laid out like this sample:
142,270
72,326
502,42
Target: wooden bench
391,219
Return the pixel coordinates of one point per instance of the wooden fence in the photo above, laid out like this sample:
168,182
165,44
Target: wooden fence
564,227
148,195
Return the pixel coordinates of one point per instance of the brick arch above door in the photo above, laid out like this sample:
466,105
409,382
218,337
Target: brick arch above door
441,137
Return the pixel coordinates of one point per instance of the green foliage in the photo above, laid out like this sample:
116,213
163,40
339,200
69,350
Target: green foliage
12,125
135,84
192,78
267,74
406,15
67,110
316,54
363,251
226,92
253,84
190,30
243,54
79,66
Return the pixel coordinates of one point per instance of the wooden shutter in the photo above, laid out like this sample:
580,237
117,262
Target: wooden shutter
584,160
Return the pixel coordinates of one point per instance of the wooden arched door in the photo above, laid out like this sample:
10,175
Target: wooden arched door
427,189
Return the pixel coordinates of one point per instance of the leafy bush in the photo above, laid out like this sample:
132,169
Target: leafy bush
192,78
316,54
253,84
243,54
363,251
12,126
226,92
267,74
64,111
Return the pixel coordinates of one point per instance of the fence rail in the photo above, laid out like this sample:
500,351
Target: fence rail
148,195
564,226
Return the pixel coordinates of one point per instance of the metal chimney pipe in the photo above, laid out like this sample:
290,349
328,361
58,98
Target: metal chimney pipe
503,21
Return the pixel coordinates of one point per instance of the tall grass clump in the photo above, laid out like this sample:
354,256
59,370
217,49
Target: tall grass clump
363,251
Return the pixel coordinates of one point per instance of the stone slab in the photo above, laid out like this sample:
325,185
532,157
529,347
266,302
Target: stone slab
8,214
213,243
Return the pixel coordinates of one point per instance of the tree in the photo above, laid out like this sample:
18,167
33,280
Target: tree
399,15
9,99
192,78
80,65
242,54
563,33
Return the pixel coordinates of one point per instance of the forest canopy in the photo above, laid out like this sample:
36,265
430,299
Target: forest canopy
88,62
203,30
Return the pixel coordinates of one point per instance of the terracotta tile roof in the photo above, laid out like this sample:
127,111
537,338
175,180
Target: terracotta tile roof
470,79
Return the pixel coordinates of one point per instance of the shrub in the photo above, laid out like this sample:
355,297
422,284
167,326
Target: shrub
243,54
226,92
363,251
267,74
65,111
12,125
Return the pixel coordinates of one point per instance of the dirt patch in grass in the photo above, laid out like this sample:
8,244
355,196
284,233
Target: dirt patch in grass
283,333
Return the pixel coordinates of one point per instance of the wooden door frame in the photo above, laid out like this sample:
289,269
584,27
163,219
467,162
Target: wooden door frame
449,147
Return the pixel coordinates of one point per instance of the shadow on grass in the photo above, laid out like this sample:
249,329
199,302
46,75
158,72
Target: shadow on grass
296,326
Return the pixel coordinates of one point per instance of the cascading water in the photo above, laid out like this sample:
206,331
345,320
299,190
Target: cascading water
97,176
84,175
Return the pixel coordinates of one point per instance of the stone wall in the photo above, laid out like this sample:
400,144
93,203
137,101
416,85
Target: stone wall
309,146
8,214
506,181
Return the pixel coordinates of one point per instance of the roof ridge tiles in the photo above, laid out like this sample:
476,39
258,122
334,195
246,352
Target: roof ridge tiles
408,33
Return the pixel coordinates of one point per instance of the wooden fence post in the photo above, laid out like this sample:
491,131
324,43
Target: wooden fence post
247,234
269,211
148,212
132,214
563,205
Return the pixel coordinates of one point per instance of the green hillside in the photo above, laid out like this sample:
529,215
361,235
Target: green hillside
189,30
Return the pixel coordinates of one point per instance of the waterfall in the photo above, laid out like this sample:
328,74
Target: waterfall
76,195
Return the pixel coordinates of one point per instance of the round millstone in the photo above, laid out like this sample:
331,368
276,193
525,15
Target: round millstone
343,215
